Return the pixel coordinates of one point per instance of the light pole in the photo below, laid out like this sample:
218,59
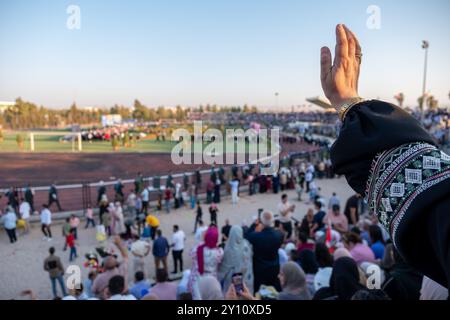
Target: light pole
276,100
425,46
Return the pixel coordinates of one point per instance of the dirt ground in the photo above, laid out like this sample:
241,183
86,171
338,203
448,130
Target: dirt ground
42,169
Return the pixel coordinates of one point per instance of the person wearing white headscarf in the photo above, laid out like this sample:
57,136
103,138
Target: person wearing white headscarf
118,218
293,282
238,258
209,288
431,290
183,285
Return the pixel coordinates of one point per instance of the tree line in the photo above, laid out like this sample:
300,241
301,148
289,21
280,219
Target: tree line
27,115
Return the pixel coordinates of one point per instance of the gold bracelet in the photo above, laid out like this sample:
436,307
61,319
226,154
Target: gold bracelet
347,106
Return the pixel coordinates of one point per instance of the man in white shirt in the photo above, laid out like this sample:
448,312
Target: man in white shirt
201,229
308,178
46,221
285,210
145,194
178,239
25,210
9,221
234,191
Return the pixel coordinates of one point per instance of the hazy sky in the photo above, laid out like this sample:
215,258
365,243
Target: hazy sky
227,52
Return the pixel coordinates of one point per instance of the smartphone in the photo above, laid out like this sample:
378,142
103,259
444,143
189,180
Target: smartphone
260,211
238,283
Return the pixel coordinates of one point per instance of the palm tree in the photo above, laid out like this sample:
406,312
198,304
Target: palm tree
432,103
400,98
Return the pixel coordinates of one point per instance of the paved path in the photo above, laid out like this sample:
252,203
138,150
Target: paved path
21,264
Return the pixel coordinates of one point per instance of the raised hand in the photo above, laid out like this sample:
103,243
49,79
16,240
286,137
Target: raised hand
340,78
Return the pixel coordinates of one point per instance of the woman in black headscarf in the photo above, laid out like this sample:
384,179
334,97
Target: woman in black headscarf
388,156
402,282
308,262
344,281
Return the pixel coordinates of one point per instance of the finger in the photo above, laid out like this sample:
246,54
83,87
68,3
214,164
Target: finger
351,43
341,44
325,62
358,47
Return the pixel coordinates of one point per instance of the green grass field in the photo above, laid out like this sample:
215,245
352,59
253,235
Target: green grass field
52,144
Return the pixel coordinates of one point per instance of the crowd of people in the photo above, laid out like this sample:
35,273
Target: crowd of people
336,251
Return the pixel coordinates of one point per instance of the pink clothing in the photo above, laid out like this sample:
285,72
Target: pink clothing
339,220
90,213
362,253
74,222
211,261
211,238
102,280
165,291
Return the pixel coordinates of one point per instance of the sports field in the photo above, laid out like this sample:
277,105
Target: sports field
53,144
56,144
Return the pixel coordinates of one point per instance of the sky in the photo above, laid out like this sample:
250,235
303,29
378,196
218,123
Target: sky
225,52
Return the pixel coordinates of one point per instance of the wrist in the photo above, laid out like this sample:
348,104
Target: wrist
338,102
346,105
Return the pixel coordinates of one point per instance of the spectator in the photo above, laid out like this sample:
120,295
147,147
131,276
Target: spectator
336,219
213,213
286,209
55,269
116,289
29,197
210,288
403,282
307,261
226,230
199,234
234,190
377,242
431,290
318,218
74,223
265,241
334,200
89,217
307,223
293,281
302,243
206,258
9,221
53,197
178,239
140,285
160,250
352,209
46,221
344,282
163,289
112,268
359,251
237,258
77,293
198,216
70,241
167,198
183,284
25,212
